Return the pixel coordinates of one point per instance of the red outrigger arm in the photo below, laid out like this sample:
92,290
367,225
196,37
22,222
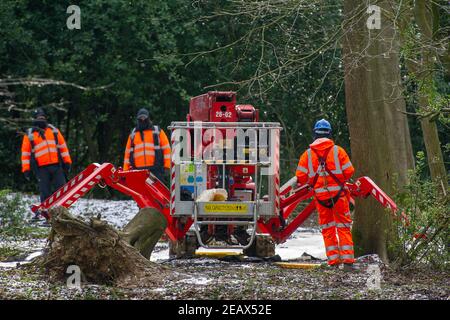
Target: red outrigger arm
141,185
364,186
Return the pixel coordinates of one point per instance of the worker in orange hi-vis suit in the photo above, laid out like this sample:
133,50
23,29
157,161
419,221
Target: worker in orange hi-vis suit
44,151
326,167
148,147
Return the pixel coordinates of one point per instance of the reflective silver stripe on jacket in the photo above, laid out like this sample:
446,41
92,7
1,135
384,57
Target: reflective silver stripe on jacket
25,153
143,145
347,247
26,161
347,165
310,165
347,256
46,150
44,143
165,147
338,169
302,169
62,146
167,156
64,154
150,153
327,189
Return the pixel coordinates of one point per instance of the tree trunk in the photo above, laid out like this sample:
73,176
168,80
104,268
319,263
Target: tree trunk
433,147
379,133
424,17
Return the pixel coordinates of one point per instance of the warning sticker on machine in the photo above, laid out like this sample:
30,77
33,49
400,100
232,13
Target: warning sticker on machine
225,207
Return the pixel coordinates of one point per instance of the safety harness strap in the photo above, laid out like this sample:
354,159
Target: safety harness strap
33,163
132,135
55,134
159,158
329,203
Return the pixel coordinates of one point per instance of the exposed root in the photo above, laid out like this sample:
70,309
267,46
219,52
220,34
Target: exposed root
99,250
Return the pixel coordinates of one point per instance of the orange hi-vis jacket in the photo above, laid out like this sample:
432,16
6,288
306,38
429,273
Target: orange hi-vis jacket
140,151
45,151
337,161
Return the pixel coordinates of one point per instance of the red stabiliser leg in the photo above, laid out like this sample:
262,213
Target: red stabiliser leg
364,186
141,185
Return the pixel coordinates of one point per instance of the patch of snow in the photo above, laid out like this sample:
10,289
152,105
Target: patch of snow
300,242
34,255
14,264
158,256
117,213
202,281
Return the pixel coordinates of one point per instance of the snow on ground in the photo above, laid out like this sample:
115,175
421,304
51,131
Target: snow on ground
33,249
14,264
302,240
117,213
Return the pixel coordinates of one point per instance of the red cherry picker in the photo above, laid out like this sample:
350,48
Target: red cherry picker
222,145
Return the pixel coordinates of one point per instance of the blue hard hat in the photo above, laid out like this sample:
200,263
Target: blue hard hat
322,127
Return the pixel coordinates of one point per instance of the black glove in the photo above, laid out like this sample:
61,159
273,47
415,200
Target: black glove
66,168
27,175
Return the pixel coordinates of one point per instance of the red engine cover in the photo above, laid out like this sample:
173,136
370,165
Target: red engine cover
214,106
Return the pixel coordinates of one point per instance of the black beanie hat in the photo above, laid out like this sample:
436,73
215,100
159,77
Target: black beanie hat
39,112
143,112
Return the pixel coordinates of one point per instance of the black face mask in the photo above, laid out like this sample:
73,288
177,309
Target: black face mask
321,135
40,123
143,124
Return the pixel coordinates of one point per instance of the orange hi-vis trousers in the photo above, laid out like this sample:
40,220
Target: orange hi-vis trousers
337,235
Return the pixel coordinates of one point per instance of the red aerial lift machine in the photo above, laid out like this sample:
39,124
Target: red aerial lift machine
221,145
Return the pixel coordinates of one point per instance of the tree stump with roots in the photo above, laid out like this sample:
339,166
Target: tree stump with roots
102,253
